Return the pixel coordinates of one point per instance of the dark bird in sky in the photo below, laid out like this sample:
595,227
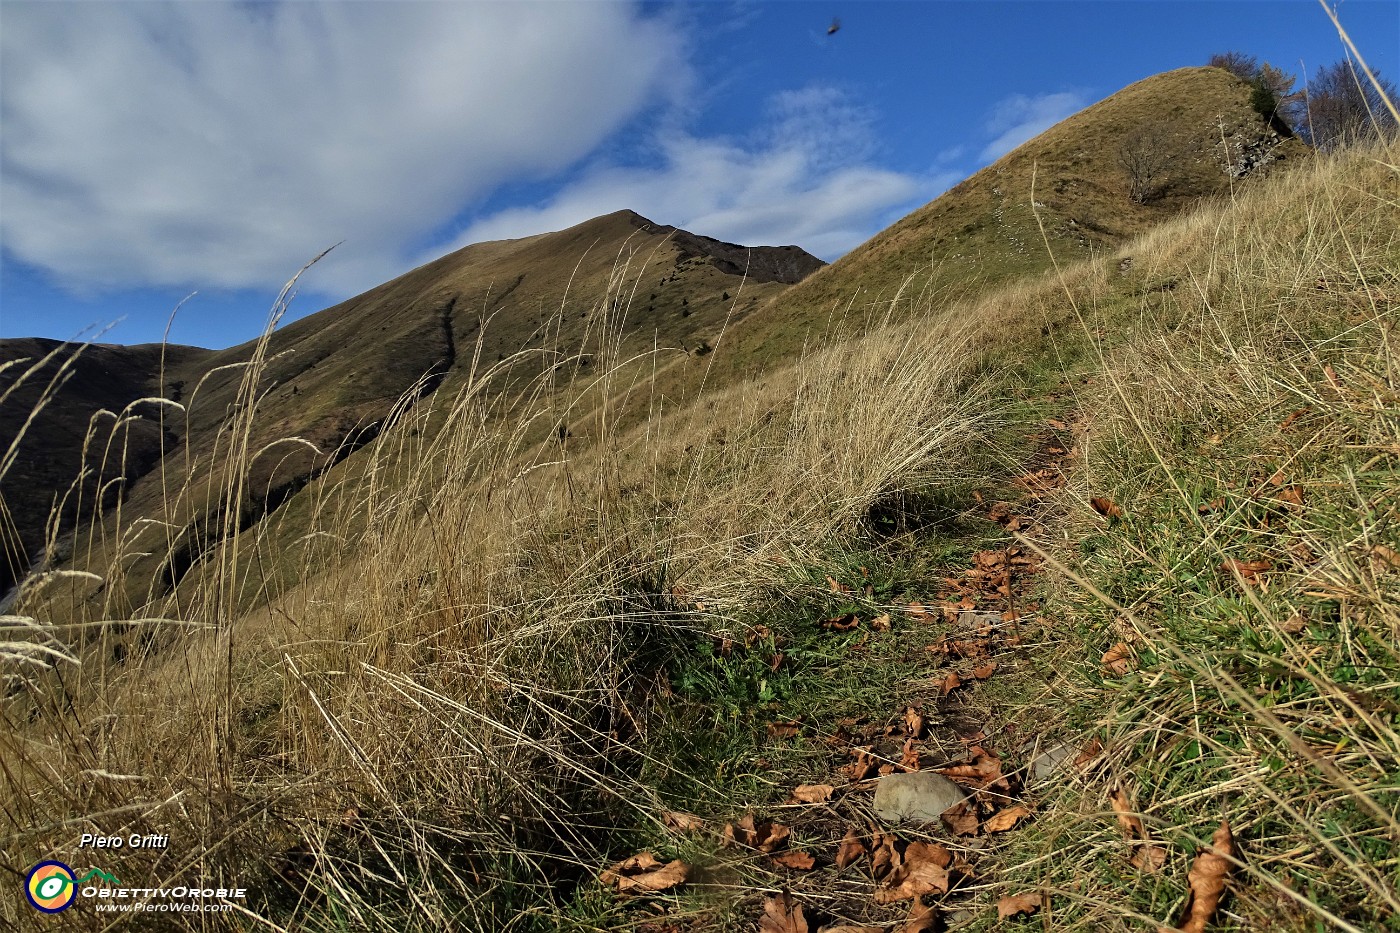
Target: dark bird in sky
834,27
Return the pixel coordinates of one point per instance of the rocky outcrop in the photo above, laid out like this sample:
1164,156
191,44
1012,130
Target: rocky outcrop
785,264
1242,155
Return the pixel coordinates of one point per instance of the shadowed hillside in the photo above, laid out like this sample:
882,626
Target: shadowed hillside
334,379
48,456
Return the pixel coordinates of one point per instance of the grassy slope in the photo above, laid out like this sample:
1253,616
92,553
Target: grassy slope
328,381
982,233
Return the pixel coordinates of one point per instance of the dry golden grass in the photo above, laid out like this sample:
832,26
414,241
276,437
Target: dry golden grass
442,715
1245,414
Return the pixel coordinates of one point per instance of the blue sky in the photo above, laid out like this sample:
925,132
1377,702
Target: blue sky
151,150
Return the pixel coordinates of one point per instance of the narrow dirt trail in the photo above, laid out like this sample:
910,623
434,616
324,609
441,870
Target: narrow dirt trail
825,858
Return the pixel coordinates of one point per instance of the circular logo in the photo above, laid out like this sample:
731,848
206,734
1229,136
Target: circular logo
50,887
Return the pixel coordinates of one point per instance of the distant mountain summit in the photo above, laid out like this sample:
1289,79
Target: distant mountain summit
334,376
785,264
1187,135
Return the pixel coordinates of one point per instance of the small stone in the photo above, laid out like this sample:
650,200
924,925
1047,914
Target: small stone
918,797
959,918
1050,763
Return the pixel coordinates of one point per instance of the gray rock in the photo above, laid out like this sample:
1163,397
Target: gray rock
918,797
975,618
1050,763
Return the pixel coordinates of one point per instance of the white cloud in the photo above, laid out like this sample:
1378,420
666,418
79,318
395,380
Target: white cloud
1021,117
222,145
804,178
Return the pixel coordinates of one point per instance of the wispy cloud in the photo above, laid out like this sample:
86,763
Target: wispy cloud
805,177
221,145
1021,117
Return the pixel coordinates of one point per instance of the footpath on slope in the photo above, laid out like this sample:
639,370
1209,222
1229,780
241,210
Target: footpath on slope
908,800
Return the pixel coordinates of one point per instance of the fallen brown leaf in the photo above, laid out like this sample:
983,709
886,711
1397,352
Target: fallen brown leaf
642,861
783,730
865,764
985,671
1005,819
757,634
1384,557
1119,659
914,878
1013,905
909,760
801,861
1287,423
1293,495
1126,813
881,623
913,723
1149,859
1207,880
917,610
1213,505
836,587
934,852
842,623
1105,507
1088,753
961,819
922,918
982,770
644,872
763,835
884,857
682,821
847,928
851,848
782,914
812,793
1250,571
950,683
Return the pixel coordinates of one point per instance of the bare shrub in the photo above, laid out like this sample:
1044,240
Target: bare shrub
1146,155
